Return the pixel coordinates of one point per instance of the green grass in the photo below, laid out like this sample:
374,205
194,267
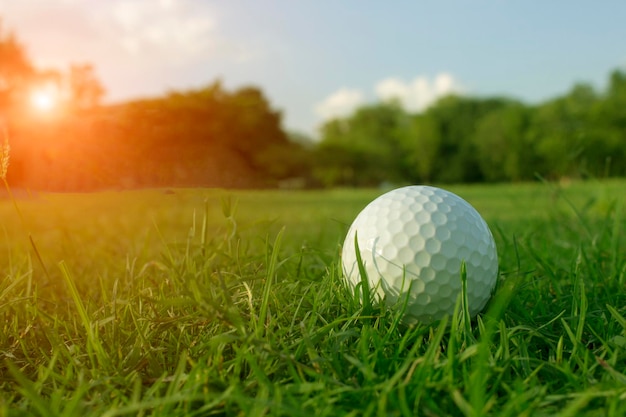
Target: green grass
207,302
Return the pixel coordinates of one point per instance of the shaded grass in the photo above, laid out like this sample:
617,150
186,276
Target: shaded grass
190,304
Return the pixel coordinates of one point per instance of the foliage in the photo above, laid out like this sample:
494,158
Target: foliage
86,91
503,151
208,136
365,149
466,139
15,68
78,88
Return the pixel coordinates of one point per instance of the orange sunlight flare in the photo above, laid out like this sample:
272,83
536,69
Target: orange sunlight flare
44,99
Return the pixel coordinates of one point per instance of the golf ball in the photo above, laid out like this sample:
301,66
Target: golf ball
413,241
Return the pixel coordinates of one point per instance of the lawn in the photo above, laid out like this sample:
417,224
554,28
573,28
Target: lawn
193,302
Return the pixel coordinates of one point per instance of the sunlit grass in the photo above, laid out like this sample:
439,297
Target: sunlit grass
206,302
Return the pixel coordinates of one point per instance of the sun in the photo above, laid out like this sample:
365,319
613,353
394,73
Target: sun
42,100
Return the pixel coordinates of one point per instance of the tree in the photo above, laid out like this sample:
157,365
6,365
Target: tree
18,76
450,130
610,117
503,150
16,70
85,89
336,161
422,146
562,130
365,148
253,129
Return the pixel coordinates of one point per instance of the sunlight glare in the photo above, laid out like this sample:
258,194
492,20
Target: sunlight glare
42,100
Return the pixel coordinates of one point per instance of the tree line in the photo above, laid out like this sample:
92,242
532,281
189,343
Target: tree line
468,139
208,136
205,137
211,136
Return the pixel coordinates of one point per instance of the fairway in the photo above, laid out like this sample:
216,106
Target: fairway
198,302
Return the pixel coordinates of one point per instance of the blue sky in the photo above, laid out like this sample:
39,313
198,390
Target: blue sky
316,59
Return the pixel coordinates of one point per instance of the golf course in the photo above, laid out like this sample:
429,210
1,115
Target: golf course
312,209
198,302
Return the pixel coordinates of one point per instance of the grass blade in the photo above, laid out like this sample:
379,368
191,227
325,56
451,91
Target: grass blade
272,267
93,343
366,298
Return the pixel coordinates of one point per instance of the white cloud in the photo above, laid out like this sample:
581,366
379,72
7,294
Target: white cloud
138,47
415,95
339,104
167,25
420,93
151,32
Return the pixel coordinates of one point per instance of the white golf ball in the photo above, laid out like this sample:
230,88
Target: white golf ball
413,241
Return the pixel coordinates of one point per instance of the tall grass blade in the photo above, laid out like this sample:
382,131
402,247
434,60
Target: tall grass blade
94,347
465,315
366,298
272,267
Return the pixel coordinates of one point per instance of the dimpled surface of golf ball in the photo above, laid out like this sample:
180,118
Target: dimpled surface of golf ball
413,241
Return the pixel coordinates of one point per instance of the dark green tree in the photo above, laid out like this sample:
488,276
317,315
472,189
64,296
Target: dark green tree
610,117
453,123
562,132
502,147
366,148
422,145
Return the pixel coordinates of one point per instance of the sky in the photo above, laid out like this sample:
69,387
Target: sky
318,59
